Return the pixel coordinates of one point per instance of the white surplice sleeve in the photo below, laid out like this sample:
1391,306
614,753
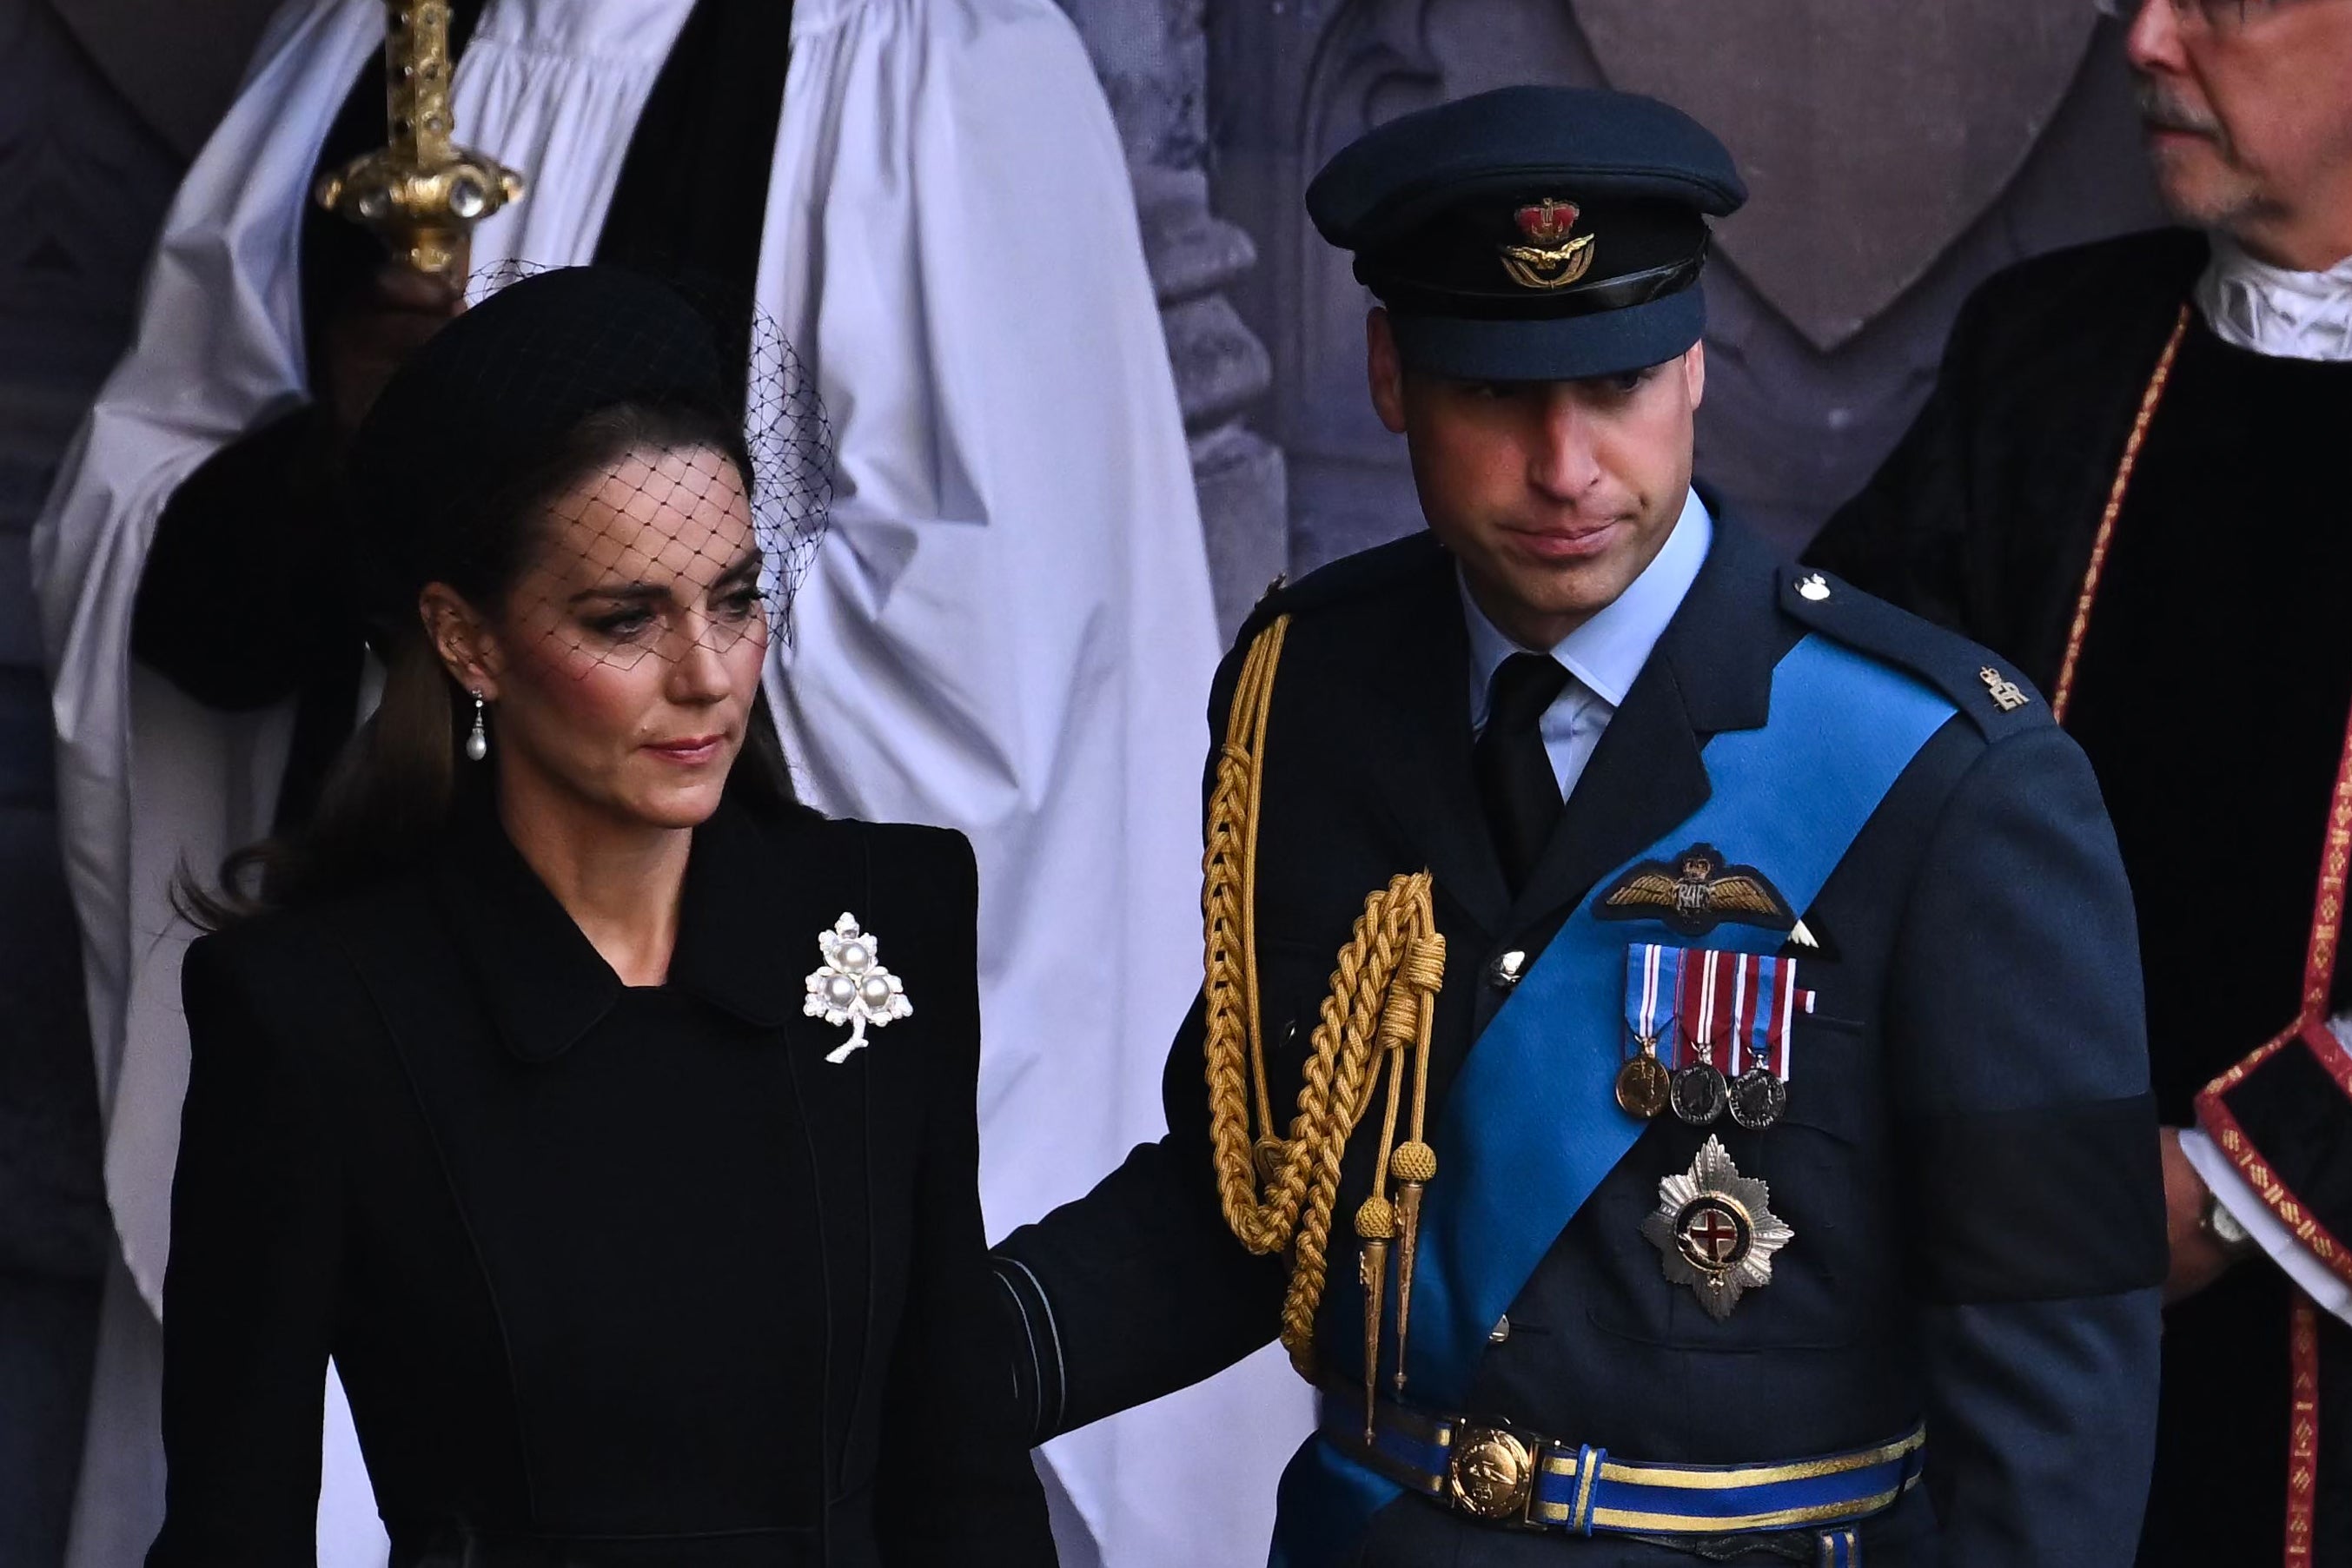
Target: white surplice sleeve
1008,629
148,779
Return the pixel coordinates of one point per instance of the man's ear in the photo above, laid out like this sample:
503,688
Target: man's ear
464,642
1695,372
1384,369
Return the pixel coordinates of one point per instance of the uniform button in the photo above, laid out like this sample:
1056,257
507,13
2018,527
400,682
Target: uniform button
1504,972
1501,1330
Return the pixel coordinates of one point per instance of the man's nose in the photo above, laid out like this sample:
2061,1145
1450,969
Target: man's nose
2152,41
1562,463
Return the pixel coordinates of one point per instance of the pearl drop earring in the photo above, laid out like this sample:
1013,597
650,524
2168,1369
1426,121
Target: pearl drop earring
477,744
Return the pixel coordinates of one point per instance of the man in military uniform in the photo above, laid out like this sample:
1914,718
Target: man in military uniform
2129,479
1700,1000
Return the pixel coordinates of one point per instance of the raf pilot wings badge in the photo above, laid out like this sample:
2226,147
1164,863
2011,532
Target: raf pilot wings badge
1696,893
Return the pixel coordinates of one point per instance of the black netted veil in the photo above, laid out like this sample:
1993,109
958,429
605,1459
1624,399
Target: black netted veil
670,461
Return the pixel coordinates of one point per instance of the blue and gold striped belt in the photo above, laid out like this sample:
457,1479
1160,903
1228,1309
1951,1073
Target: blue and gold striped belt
1507,1476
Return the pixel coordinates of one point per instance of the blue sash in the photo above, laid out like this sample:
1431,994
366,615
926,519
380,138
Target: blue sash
1531,1126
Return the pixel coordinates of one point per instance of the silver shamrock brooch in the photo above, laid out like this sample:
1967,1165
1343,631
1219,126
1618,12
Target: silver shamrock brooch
851,986
1714,1230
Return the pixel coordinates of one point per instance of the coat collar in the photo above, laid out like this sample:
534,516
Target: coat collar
1606,653
1711,672
545,986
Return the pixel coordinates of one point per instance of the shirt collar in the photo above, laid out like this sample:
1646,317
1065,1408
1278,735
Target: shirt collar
1608,651
2266,309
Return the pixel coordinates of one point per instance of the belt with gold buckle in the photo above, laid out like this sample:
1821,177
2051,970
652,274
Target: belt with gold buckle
1501,1474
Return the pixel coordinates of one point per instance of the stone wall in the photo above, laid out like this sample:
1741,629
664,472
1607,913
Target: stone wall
1152,57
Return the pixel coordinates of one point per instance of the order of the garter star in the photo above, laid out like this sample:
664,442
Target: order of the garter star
851,986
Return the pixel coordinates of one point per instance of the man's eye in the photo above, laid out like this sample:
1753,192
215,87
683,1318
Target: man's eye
1625,382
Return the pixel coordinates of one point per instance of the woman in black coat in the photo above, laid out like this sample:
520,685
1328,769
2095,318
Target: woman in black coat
642,1229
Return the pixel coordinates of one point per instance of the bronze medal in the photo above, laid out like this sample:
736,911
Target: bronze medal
1699,1092
1757,1098
1643,1086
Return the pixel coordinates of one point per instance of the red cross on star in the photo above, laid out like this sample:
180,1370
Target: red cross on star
1712,1236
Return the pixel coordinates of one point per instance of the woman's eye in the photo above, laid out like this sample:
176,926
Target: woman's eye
621,624
739,604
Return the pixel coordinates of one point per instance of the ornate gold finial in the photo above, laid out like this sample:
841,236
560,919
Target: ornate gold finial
420,193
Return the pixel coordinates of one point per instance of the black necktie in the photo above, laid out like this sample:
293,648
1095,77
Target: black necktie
1516,783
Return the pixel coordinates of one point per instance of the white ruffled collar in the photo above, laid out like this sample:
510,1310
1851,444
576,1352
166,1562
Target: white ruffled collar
2270,310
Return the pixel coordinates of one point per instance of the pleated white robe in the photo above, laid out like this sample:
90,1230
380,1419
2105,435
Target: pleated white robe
1008,630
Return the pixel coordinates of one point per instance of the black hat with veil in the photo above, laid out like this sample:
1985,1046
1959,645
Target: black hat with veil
615,408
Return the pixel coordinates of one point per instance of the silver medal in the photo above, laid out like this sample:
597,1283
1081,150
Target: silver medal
1714,1231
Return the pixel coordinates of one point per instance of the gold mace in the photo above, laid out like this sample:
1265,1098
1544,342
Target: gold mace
420,193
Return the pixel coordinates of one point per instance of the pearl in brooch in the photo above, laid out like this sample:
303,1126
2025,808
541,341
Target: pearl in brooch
852,986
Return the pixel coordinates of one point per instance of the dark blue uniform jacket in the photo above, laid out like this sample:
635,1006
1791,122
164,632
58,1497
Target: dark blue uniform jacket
1968,1158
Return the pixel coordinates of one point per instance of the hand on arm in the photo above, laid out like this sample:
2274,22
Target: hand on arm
2200,1257
379,329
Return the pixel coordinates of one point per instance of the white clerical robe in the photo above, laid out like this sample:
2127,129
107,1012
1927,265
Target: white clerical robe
1007,631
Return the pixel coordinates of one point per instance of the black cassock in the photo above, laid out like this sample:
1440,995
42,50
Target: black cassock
2210,689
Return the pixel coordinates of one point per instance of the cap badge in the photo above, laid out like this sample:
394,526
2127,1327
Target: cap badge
1549,259
1713,1231
851,986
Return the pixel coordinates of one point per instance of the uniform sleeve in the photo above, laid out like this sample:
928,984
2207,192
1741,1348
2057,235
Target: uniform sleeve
1138,1289
974,1501
1903,537
2033,1183
249,1296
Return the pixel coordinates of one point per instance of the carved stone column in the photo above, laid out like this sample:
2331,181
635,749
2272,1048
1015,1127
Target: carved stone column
1153,60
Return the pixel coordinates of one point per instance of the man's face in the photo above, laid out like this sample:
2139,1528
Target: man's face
2248,109
1552,494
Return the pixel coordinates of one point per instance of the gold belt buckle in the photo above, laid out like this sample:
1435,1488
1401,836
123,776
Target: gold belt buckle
1490,1473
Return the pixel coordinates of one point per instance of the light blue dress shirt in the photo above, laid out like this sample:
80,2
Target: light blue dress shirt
1604,654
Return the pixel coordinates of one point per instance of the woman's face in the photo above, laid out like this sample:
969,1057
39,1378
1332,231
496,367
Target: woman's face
627,659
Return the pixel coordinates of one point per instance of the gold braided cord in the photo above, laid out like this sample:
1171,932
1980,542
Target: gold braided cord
1277,1192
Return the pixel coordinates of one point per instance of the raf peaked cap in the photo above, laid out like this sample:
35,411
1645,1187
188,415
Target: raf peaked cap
1532,233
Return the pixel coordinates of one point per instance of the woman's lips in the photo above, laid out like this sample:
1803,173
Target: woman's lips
692,752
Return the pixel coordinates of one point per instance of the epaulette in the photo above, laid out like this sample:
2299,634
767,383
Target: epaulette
1987,688
1367,571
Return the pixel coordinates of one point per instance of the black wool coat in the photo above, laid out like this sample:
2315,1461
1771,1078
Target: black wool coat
612,1275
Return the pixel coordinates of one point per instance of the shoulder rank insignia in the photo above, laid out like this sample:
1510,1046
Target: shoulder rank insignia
1714,1231
2007,694
1696,893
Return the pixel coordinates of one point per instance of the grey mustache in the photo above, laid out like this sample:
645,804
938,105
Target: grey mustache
2165,111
